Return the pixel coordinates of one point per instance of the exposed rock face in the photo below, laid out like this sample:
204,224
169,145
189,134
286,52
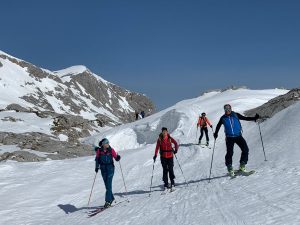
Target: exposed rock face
275,105
16,108
51,147
21,156
110,96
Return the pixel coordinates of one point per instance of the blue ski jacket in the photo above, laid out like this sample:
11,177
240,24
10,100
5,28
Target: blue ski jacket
232,124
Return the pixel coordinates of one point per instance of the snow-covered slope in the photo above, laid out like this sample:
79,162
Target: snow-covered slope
181,118
74,91
57,191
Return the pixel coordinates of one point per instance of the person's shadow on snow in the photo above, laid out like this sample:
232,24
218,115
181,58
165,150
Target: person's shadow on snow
136,192
68,208
188,144
159,188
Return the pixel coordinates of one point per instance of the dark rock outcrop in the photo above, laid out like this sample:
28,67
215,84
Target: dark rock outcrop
275,105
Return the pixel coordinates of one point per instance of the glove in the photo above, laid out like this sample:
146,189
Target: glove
154,158
175,151
211,126
215,135
96,170
256,117
118,158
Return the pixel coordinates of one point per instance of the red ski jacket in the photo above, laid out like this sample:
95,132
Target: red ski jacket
165,147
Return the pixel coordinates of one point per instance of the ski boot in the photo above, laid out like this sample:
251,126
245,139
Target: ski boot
242,168
172,183
107,205
230,171
172,186
167,186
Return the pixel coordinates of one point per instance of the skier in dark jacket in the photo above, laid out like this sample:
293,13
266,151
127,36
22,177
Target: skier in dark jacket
233,133
164,144
136,115
104,159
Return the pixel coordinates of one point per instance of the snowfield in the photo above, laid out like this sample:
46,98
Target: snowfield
56,192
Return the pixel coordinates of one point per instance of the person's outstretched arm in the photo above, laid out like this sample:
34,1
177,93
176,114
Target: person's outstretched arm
247,118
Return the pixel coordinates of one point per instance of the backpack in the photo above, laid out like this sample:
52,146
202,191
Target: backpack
161,151
203,122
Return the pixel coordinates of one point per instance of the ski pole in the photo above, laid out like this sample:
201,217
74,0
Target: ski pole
212,159
92,189
151,179
124,182
181,170
262,142
196,134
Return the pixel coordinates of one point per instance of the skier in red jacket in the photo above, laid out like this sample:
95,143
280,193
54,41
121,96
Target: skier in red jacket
164,144
202,123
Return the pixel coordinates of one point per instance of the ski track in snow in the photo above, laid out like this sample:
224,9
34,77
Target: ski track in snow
57,191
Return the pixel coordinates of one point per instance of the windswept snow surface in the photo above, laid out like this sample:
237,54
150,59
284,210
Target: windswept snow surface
56,192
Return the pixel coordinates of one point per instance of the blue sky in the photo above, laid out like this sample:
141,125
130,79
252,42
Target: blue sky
168,49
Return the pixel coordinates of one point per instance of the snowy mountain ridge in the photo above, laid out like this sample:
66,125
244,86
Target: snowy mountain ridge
174,117
44,114
74,91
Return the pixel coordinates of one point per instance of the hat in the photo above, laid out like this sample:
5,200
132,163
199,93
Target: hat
163,129
203,114
105,141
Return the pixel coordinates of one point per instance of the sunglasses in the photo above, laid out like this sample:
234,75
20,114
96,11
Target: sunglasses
227,108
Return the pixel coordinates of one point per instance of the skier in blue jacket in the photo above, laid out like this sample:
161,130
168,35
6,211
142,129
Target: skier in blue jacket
233,133
104,160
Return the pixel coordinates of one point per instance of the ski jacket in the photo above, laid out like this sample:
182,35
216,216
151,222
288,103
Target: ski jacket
232,124
105,156
203,122
165,146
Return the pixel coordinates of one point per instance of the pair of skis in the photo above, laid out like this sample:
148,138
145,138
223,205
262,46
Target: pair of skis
102,208
204,146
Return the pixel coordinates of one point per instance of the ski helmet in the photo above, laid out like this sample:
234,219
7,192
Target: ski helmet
105,141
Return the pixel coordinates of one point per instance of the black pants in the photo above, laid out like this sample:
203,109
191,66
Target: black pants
168,165
206,133
240,141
